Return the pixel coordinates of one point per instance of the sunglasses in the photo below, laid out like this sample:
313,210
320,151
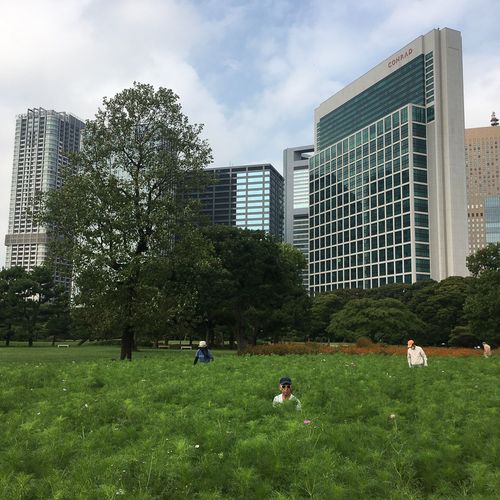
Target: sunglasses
285,386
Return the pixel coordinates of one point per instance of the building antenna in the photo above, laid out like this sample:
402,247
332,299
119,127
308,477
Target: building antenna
494,120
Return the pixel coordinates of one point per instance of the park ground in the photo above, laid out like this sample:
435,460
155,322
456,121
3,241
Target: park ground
77,423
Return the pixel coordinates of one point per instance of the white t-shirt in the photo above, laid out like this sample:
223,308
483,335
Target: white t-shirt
279,399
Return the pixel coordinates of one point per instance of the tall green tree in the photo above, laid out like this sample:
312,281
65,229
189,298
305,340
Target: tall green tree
10,301
124,202
35,293
485,259
482,307
255,285
441,307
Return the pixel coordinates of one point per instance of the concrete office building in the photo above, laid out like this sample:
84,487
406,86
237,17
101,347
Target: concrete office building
246,196
296,174
42,141
387,182
482,147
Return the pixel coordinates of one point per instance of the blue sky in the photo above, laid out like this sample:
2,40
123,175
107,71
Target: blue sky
251,71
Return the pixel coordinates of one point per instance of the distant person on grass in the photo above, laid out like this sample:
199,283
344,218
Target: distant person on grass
203,355
416,355
487,350
285,387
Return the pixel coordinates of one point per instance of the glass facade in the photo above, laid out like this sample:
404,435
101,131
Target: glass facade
405,85
492,219
249,197
368,219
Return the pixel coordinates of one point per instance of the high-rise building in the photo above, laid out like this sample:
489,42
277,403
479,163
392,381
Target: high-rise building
296,174
387,181
482,147
246,196
43,140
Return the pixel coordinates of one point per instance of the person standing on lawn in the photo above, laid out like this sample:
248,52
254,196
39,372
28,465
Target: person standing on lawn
416,355
487,350
203,355
285,387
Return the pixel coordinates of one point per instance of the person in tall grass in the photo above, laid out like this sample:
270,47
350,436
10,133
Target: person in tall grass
203,355
416,355
285,387
487,350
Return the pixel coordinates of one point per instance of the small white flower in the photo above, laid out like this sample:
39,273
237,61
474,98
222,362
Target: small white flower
196,445
220,455
38,413
64,389
392,416
86,405
120,492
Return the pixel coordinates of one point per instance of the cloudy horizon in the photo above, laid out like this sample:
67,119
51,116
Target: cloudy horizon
252,72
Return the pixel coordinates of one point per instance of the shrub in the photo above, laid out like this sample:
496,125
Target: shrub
364,342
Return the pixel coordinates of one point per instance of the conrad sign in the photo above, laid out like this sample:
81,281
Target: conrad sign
400,58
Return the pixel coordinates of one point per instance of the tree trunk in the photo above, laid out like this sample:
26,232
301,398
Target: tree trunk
254,336
240,334
30,342
53,340
127,344
128,337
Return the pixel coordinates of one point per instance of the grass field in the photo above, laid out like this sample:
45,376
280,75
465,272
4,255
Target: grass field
77,424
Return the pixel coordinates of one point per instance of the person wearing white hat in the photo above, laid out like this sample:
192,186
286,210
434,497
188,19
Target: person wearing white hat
203,355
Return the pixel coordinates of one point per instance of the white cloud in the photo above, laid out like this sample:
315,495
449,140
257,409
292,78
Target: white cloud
252,72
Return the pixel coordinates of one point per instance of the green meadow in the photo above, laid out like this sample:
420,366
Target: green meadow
78,424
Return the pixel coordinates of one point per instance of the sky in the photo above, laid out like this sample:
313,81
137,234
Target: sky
252,71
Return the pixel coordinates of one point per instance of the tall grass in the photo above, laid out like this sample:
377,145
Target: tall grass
160,428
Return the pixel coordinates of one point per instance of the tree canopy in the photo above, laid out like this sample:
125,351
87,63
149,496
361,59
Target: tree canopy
382,320
485,259
122,210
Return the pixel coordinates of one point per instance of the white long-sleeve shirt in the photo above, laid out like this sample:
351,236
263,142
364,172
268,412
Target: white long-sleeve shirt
279,399
416,356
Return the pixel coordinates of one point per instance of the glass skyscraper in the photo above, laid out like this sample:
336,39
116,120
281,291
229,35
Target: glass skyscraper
246,196
387,182
43,140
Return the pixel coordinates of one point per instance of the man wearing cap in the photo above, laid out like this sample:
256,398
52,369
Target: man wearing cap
203,355
285,387
416,355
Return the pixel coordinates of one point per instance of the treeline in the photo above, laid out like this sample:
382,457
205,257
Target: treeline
32,305
456,311
248,290
248,286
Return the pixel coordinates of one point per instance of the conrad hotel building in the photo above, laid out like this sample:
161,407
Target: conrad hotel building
387,181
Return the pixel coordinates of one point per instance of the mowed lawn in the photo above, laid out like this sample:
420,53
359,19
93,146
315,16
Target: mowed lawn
78,424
